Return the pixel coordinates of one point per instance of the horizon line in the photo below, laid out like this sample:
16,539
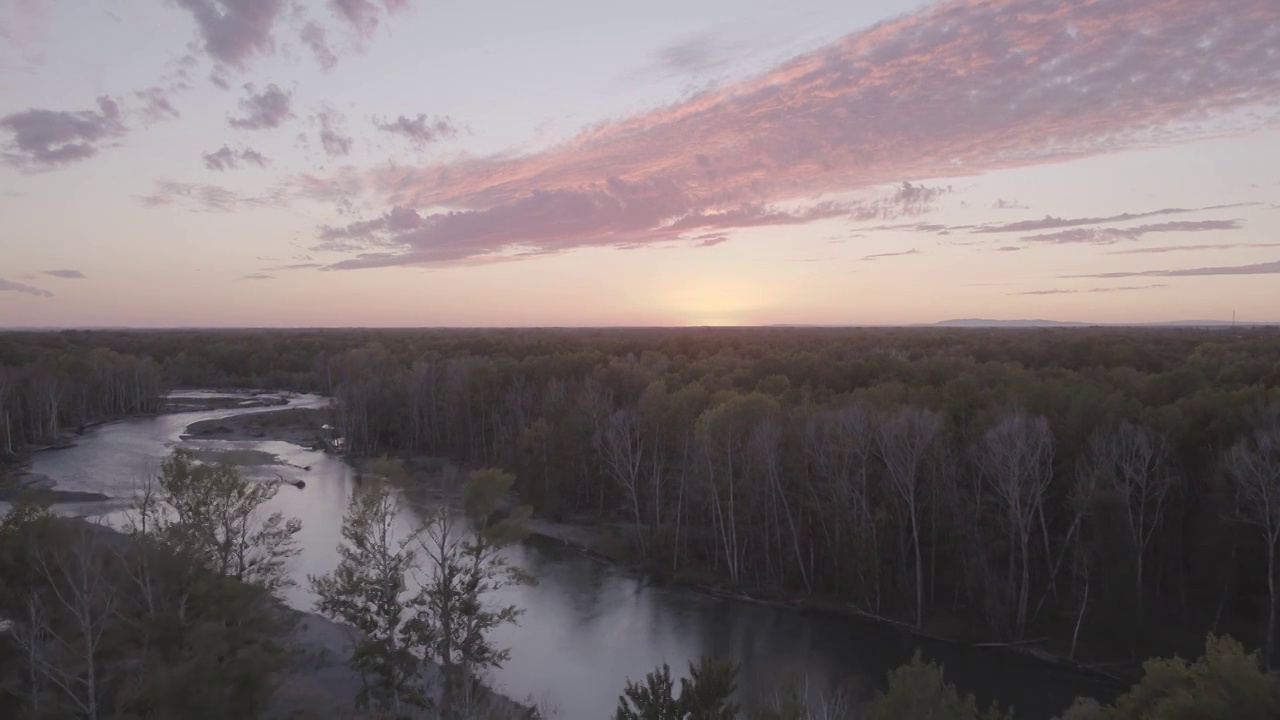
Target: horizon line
954,323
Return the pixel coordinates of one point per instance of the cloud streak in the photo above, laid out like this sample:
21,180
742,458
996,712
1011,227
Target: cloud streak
1074,291
12,286
1049,222
225,158
420,130
47,139
211,198
877,256
960,88
1186,248
1266,268
65,274
1108,236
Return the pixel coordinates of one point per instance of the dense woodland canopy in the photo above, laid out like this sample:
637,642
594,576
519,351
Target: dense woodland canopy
1114,489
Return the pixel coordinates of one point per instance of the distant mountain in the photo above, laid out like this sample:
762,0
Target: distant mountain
980,322
984,323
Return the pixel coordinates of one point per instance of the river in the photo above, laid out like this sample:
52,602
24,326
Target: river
588,626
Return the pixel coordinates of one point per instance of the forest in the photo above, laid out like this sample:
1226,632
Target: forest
1116,491
177,614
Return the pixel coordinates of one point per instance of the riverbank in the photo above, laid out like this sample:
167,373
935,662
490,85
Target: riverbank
184,401
299,426
428,483
319,683
316,681
23,485
613,543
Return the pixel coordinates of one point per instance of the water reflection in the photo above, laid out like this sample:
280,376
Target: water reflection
587,626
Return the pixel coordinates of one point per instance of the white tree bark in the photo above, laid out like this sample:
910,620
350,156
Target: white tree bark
908,442
1253,464
1017,461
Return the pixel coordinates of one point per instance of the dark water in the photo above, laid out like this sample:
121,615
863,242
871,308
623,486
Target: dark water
588,626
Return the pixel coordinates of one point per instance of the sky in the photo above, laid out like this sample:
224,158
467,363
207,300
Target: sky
232,163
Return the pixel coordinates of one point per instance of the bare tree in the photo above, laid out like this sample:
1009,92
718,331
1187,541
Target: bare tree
6,422
1253,465
908,441
839,445
1131,459
68,614
1017,460
621,450
766,443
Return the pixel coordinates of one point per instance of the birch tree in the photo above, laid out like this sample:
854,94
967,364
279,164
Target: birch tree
1017,459
1131,460
1253,467
68,615
621,449
908,441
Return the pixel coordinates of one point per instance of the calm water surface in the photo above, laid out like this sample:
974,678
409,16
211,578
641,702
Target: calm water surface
588,626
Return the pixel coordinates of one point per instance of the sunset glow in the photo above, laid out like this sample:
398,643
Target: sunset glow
214,163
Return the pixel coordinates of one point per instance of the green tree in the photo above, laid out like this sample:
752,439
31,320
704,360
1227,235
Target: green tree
919,691
214,515
1226,682
704,695
367,591
463,563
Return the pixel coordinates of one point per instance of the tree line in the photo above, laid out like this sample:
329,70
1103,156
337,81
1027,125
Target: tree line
46,395
176,614
1118,510
1114,490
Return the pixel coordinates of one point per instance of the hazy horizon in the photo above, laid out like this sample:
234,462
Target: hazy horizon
388,163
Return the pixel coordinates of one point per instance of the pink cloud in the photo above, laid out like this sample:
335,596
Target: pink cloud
959,88
267,109
46,139
235,30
